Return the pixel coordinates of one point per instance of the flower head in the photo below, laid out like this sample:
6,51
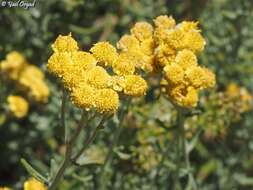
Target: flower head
194,41
187,26
142,31
164,21
186,59
117,83
200,77
135,85
106,101
58,62
84,97
128,43
124,65
97,77
174,74
65,44
104,52
183,96
83,60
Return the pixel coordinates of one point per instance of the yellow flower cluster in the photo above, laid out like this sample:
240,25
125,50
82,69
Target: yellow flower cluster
147,158
170,49
227,105
33,184
84,74
18,106
16,68
240,96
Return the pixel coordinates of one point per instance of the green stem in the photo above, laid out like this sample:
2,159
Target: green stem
89,140
101,184
183,141
160,166
63,110
67,157
191,181
178,133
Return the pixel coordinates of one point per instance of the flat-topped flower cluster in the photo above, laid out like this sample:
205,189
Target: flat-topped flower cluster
84,74
167,49
170,49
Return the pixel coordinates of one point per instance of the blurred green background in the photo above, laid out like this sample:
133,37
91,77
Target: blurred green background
223,163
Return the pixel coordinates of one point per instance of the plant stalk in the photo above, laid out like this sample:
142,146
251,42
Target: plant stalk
101,184
67,157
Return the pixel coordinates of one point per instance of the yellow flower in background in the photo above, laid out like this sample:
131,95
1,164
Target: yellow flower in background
33,184
18,106
27,76
13,65
241,97
32,79
147,157
104,52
